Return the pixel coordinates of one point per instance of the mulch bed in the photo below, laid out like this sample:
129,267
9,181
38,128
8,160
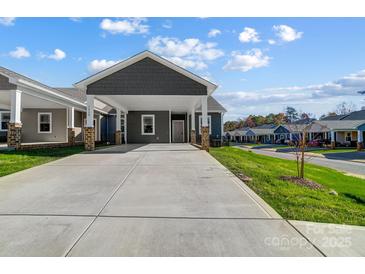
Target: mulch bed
302,182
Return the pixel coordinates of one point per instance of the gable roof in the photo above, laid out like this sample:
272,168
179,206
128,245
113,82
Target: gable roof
18,78
138,57
342,124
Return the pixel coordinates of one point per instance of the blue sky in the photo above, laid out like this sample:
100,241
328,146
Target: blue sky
260,64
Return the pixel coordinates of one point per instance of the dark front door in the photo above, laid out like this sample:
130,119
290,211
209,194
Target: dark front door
178,131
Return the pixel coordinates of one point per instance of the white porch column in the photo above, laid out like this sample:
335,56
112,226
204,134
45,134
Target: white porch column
89,110
222,127
71,117
125,128
193,133
89,129
188,128
14,135
360,140
118,133
16,106
204,124
204,111
71,126
118,120
169,126
333,141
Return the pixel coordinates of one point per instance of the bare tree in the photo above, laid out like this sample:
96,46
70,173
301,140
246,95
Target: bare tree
345,108
300,145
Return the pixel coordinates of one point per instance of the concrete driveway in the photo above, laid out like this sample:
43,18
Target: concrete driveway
133,200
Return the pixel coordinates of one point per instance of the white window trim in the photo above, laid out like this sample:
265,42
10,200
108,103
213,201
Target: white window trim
50,122
1,113
209,124
153,124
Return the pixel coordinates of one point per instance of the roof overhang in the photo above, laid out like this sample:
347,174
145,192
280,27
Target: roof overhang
127,62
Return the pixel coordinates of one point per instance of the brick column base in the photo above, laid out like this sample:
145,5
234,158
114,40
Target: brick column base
193,137
360,146
89,133
14,137
333,145
205,138
118,137
71,136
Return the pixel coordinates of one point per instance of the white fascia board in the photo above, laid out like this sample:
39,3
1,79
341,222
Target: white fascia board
123,64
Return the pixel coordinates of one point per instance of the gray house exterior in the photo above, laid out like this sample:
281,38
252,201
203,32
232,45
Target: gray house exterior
144,99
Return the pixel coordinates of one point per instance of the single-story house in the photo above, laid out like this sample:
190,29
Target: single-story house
143,99
242,135
271,134
313,130
346,130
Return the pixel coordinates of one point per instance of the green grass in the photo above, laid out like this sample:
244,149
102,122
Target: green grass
337,150
14,161
297,202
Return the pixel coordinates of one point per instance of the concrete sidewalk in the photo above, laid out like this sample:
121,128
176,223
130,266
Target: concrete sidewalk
133,200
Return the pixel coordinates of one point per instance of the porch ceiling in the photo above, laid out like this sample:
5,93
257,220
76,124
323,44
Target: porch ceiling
153,102
27,101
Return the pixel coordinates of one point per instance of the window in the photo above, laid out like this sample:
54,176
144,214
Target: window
44,122
209,123
348,137
148,124
4,120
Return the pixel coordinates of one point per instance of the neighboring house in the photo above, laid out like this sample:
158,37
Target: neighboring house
265,134
271,134
144,99
347,130
313,130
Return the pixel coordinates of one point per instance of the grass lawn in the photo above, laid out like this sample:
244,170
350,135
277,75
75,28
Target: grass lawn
337,150
14,161
296,202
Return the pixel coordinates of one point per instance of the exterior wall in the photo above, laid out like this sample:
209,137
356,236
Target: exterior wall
146,77
78,126
134,134
29,118
5,85
216,125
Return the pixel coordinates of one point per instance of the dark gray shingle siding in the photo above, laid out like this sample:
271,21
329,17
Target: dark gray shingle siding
146,77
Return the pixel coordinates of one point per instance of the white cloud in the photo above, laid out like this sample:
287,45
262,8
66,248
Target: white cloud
271,41
19,52
7,21
314,98
125,26
57,55
214,33
188,64
98,65
251,59
249,35
286,33
188,53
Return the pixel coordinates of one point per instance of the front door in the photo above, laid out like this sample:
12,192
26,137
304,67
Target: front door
178,131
